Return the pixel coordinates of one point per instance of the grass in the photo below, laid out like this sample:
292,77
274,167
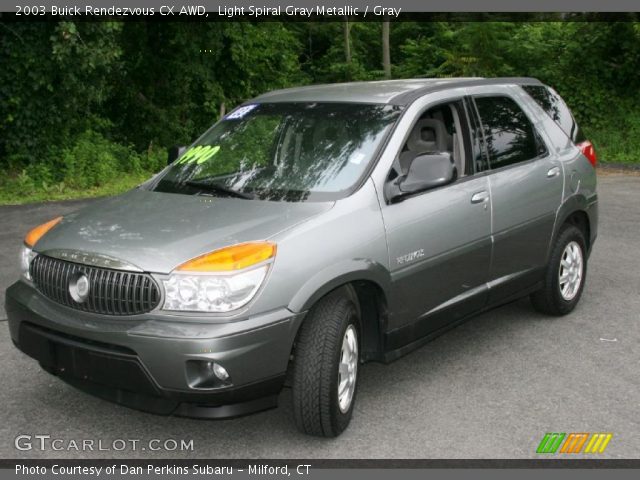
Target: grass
617,141
124,182
617,148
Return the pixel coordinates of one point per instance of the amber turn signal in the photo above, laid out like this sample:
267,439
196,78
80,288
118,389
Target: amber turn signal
38,232
232,258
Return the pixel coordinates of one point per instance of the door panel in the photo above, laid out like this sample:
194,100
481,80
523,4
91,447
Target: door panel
439,253
525,200
526,183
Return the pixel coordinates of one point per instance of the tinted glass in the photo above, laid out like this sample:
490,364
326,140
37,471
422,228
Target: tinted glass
508,134
282,151
555,107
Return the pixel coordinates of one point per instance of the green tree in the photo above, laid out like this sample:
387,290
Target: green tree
54,79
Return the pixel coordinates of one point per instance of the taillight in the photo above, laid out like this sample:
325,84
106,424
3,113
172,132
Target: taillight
588,151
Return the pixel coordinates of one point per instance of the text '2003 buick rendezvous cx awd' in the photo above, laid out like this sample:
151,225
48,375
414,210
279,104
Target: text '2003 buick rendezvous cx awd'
311,230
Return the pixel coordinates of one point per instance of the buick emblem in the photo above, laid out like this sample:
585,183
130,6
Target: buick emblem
79,288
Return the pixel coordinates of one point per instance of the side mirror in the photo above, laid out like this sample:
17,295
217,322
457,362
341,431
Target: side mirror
174,153
426,171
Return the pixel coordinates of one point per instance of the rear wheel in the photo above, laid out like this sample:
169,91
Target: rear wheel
325,368
565,275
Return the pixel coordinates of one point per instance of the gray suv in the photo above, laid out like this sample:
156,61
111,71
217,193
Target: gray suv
309,231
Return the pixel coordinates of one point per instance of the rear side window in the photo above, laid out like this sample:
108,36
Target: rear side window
555,107
509,136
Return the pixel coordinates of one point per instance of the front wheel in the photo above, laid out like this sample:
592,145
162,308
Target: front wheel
565,275
325,368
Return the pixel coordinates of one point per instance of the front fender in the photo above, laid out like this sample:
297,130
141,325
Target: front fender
336,275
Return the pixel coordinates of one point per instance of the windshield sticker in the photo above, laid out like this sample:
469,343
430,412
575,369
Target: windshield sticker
357,158
238,113
199,154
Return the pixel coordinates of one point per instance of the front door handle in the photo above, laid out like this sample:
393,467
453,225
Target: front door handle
480,197
553,172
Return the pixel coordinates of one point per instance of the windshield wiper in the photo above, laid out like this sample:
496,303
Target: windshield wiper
216,187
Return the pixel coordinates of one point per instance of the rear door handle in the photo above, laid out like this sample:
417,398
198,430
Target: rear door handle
480,197
553,172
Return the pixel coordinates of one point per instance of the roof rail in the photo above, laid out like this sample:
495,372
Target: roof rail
410,96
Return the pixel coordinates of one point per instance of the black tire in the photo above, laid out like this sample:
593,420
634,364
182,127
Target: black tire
549,299
315,367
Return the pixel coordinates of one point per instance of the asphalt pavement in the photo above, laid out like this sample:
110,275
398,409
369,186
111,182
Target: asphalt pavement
490,388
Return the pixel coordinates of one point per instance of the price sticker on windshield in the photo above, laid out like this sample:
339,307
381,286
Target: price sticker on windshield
240,112
199,154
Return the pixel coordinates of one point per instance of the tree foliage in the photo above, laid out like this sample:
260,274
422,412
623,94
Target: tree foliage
82,101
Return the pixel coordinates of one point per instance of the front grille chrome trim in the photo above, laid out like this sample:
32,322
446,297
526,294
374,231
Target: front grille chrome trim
92,259
111,292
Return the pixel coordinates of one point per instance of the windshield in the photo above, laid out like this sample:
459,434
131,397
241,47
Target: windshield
282,151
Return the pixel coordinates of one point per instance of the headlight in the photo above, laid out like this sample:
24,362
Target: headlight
220,281
26,256
212,293
32,237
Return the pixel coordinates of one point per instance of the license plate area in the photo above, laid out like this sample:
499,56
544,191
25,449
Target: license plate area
97,363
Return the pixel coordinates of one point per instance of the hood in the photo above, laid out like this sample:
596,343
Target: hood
157,231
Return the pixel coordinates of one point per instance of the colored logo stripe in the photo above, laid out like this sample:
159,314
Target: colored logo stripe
574,443
550,442
598,443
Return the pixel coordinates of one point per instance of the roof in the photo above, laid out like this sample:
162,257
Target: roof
394,92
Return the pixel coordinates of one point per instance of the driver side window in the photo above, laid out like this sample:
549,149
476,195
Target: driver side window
437,130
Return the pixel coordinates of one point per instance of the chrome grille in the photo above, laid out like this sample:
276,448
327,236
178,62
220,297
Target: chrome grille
111,292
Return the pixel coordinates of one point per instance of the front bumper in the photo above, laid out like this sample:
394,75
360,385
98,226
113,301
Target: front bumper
140,361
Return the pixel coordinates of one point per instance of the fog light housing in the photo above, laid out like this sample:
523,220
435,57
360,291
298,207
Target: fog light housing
207,374
218,370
